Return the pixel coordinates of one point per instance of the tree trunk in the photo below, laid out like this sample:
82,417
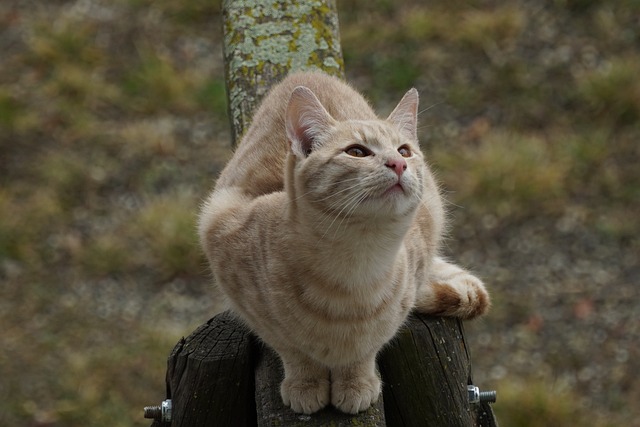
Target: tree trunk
263,41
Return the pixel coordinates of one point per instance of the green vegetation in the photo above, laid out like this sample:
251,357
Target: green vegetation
113,125
532,402
538,126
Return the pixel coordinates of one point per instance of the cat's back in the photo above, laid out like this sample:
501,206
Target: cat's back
257,165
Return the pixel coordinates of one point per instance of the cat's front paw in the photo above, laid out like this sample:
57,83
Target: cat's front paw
305,395
353,395
465,297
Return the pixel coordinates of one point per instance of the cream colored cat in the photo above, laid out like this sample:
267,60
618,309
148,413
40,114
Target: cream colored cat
323,233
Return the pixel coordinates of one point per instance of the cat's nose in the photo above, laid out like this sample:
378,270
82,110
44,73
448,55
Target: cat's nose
398,165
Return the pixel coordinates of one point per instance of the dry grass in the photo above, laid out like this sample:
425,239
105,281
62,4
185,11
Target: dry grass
113,126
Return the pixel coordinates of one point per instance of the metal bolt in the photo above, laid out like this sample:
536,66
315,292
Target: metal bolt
477,396
160,413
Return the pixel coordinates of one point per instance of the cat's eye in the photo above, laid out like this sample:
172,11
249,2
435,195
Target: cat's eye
405,151
358,151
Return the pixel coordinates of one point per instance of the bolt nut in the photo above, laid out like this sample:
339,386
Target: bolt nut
160,413
477,396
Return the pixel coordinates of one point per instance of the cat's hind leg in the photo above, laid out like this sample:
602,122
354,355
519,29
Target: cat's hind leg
355,387
452,291
218,299
306,387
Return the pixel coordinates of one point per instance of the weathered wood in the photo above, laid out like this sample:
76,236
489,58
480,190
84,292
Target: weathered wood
426,370
483,415
272,412
264,40
210,376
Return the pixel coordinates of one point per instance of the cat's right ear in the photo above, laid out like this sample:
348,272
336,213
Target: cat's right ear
306,120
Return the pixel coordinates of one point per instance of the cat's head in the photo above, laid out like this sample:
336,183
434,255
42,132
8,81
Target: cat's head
355,168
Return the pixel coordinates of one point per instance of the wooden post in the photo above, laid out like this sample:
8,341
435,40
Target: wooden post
210,376
219,375
425,371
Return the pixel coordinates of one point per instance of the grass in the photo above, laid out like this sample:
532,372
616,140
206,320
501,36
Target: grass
601,91
113,125
508,175
541,402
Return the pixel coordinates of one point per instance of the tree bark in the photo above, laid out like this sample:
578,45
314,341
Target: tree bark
264,40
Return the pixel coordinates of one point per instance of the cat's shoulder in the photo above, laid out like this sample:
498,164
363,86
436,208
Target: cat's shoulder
337,96
319,82
313,78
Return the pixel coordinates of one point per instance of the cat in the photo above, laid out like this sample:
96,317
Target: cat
323,233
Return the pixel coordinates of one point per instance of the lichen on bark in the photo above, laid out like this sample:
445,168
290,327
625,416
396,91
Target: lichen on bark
264,40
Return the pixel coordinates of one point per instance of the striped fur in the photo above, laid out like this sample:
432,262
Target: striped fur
324,252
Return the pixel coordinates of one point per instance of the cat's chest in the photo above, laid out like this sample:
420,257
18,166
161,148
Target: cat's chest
349,322
340,336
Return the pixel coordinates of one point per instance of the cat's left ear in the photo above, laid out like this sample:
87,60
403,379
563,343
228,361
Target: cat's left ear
306,120
405,115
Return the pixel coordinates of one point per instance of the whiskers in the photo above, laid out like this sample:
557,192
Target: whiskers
330,195
429,107
427,126
347,200
426,200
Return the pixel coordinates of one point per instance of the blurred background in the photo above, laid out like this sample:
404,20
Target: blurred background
113,126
